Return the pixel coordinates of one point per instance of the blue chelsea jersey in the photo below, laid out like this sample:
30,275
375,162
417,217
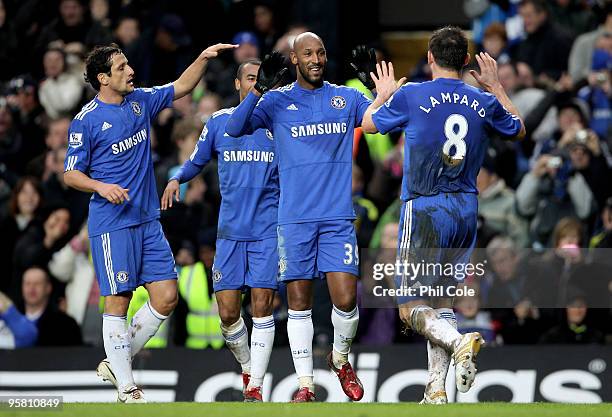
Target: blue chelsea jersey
314,131
248,178
111,143
446,124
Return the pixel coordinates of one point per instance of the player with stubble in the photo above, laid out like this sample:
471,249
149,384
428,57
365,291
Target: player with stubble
109,155
312,122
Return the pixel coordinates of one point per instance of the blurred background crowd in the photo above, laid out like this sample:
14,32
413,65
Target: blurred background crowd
545,203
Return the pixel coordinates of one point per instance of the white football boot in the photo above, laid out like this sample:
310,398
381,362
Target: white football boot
464,356
131,395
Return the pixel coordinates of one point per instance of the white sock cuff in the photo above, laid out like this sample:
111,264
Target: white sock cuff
112,317
262,323
347,315
234,329
300,314
448,314
155,312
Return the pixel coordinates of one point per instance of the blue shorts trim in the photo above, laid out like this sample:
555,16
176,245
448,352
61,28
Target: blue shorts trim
309,250
245,264
127,258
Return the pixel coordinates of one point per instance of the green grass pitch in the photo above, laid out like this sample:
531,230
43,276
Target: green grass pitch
321,410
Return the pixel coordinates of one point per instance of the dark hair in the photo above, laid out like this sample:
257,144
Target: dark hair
33,181
244,64
539,5
449,46
100,61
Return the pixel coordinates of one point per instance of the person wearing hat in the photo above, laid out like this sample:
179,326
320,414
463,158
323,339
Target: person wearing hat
220,75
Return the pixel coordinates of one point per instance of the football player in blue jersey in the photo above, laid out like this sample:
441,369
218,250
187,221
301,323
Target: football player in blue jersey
312,122
247,253
109,155
446,124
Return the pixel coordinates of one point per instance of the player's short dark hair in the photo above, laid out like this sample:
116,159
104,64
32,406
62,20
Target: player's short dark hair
244,64
449,46
100,61
539,5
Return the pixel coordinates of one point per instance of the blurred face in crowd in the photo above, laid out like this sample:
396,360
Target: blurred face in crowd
248,78
121,79
264,19
494,45
98,9
507,77
532,19
310,57
209,104
245,52
59,220
525,75
28,199
71,12
57,135
6,119
36,288
579,156
127,31
576,312
568,118
503,262
2,14
468,306
53,63
58,162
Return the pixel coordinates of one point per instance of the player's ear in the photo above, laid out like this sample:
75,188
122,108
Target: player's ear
430,58
467,59
103,79
293,57
237,84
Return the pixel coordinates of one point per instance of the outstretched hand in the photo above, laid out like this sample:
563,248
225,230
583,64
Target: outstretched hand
270,72
214,50
385,82
363,61
171,193
487,78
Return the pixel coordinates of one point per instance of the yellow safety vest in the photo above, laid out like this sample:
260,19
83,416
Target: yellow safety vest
139,298
203,323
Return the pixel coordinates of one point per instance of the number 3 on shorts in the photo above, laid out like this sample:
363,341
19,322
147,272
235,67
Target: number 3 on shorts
348,254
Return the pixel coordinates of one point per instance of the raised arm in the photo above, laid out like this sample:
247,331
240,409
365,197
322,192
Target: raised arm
386,86
193,74
489,81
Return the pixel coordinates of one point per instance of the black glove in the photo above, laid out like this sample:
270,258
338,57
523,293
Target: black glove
270,72
363,62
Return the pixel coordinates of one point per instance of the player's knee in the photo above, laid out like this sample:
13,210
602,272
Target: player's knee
229,315
165,301
261,305
300,303
346,303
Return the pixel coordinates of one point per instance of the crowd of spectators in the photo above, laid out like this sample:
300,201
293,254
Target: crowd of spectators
545,203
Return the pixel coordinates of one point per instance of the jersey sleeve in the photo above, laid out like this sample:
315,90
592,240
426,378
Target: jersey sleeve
157,98
78,155
502,121
361,105
251,114
201,155
392,114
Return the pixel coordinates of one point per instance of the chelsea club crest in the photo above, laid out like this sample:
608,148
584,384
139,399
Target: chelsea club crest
136,108
338,102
